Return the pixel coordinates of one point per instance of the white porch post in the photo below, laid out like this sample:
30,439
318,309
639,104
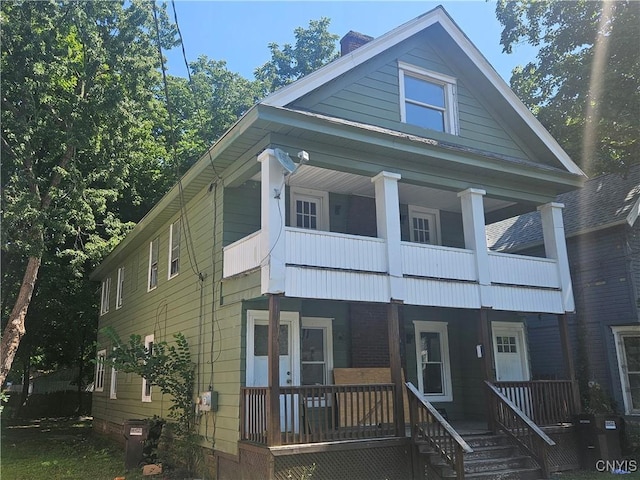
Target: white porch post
475,239
273,204
555,247
388,223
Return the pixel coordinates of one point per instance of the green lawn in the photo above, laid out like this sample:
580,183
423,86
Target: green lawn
57,449
66,449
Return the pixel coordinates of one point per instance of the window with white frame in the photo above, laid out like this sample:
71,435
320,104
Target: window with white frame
113,391
174,248
627,340
146,386
154,251
104,297
316,351
120,288
98,384
428,99
309,209
424,225
432,357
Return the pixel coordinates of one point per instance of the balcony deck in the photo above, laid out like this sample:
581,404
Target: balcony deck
329,265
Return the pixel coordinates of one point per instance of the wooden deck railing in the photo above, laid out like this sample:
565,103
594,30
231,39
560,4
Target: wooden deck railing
320,413
546,402
511,420
428,425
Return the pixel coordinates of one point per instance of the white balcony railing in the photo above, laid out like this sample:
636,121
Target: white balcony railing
349,267
242,255
508,269
321,249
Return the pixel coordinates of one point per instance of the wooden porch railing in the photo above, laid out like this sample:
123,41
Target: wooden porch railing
320,413
508,418
546,402
428,425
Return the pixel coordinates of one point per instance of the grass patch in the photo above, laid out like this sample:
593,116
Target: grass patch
60,449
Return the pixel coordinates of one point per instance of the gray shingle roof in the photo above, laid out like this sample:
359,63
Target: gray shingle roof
603,202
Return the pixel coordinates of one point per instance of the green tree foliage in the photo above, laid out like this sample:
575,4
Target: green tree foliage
314,47
583,86
170,368
77,90
208,106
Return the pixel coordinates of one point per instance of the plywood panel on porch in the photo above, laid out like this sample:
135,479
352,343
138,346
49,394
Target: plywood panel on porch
365,408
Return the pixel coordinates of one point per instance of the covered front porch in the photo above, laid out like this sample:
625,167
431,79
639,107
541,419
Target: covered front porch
313,421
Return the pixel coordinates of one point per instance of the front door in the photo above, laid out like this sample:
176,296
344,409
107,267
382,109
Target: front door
512,361
258,360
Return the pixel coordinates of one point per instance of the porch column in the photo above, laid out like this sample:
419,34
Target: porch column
570,370
388,223
273,367
393,322
273,205
556,248
485,339
475,239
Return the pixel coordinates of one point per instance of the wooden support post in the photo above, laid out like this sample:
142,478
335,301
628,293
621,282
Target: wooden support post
393,322
567,353
273,352
488,366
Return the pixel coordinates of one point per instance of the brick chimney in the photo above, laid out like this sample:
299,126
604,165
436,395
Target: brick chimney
353,40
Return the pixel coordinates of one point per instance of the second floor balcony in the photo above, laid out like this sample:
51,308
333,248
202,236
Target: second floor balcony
314,263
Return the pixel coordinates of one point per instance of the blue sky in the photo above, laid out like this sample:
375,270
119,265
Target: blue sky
239,32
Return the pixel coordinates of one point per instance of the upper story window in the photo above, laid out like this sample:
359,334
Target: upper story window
104,298
120,288
424,225
154,251
174,248
309,209
428,99
101,357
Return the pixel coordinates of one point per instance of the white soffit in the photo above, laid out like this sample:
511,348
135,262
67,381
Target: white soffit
308,176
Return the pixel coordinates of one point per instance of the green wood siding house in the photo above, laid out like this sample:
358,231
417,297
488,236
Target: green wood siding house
364,264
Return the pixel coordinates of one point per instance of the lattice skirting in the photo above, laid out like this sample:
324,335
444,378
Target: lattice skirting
363,460
565,455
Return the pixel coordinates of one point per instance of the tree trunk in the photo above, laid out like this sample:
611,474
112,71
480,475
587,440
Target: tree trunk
15,329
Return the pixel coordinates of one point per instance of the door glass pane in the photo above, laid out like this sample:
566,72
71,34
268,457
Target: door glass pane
506,344
261,340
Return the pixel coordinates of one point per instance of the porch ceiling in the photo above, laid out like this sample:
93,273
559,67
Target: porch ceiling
309,176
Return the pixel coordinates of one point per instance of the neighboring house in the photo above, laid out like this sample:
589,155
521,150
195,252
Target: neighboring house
603,241
362,267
